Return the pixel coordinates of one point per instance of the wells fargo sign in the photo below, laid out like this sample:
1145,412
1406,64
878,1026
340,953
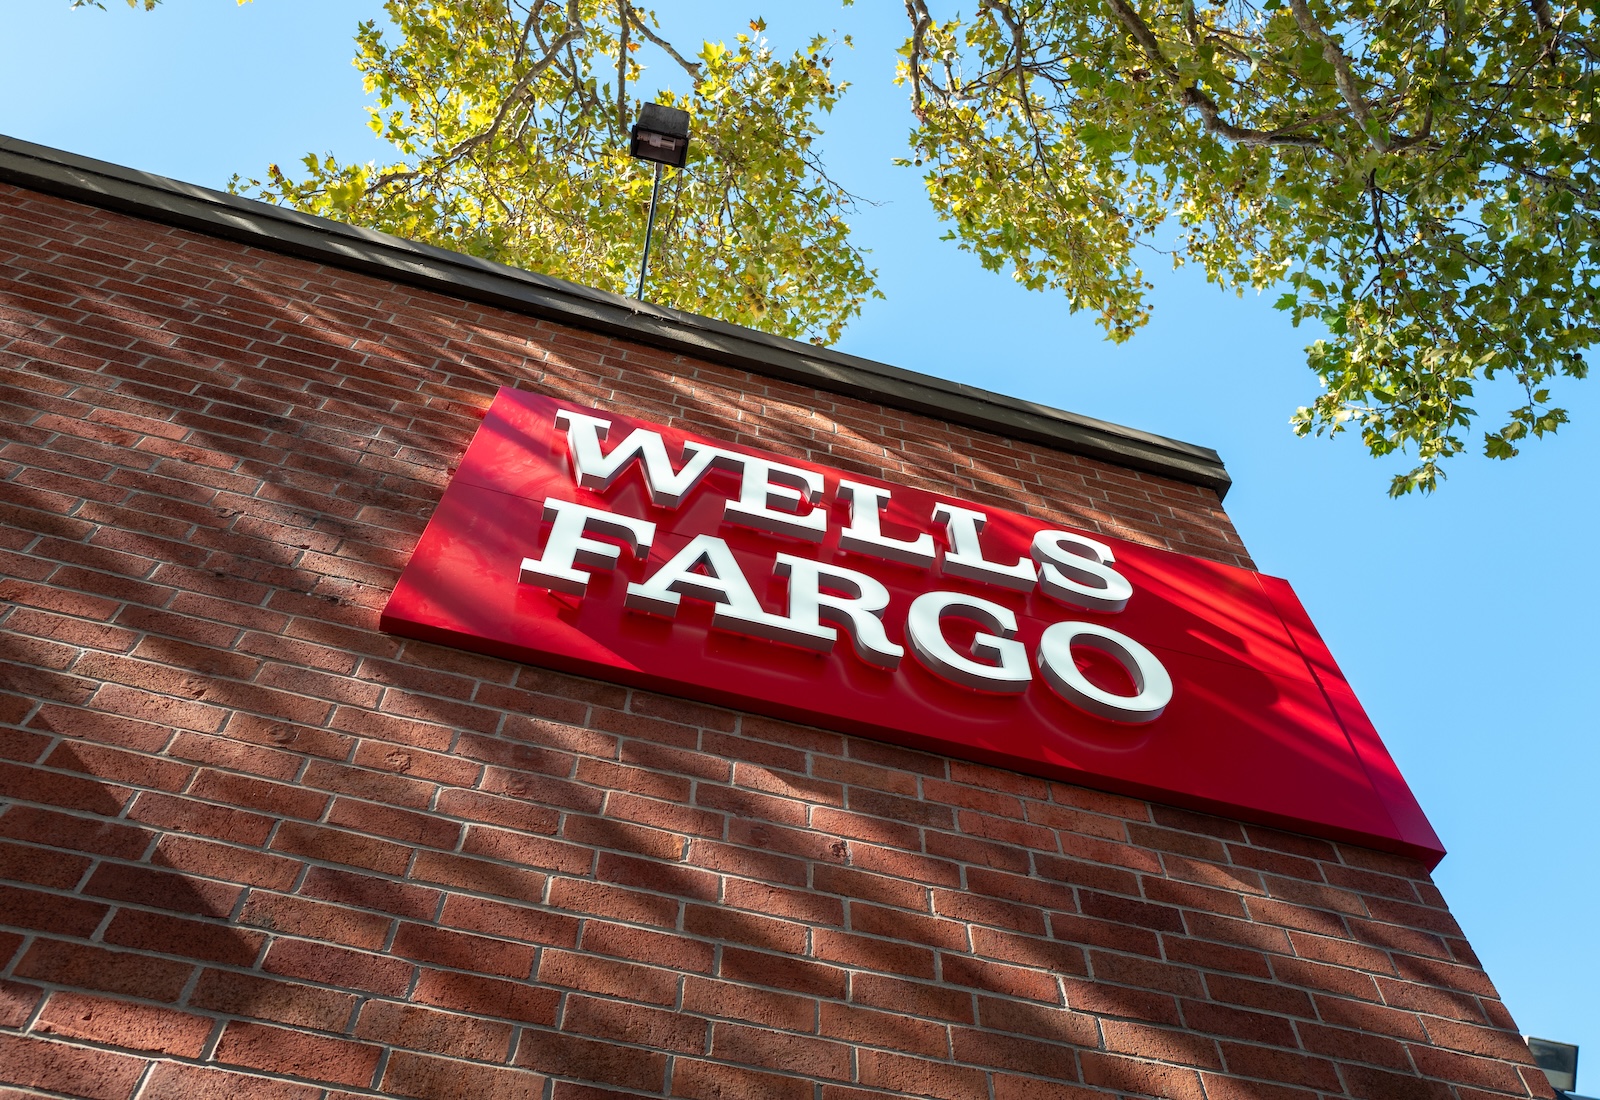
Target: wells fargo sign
601,544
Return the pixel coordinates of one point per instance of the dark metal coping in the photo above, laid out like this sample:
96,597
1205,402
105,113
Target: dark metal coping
280,229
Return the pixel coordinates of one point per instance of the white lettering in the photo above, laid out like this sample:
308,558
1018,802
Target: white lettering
770,497
966,559
593,470
860,612
724,584
1076,570
1152,686
865,534
1009,672
567,545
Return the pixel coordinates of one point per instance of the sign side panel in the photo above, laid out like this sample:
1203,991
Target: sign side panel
1411,823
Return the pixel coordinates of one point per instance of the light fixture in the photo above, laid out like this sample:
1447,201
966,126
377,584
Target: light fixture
661,135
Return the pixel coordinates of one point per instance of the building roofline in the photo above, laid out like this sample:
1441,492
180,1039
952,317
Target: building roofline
279,229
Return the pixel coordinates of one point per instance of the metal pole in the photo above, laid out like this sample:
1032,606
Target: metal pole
649,227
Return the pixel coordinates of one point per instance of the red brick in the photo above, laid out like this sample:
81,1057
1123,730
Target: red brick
787,785
314,1057
96,836
698,1080
120,1024
618,1021
747,1046
202,857
1352,1046
932,931
1465,979
417,1028
1012,1052
1245,933
894,1030
188,938
782,972
1285,1066
1379,1019
338,966
993,977
1161,918
371,785
1219,1087
913,998
71,1070
88,967
258,794
174,1081
1365,1083
1104,933
527,850
719,923
446,947
601,899
1215,956
188,815
655,875
1141,1076
1434,1002
67,792
869,953
978,909
1007,1087
314,920
162,890
17,1002
487,996
920,1077
57,913
341,846
1266,996
517,922
590,1060
766,1008
609,977
411,1074
478,875
262,998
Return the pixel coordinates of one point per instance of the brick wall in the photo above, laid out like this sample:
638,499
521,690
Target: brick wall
252,847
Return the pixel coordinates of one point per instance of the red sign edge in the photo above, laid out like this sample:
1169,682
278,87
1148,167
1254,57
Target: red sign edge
1417,836
1414,842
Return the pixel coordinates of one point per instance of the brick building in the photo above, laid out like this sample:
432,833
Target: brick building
253,846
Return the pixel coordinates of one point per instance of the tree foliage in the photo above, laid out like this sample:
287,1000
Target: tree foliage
510,121
1417,177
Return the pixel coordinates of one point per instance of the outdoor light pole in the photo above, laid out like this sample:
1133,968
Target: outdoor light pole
649,228
661,135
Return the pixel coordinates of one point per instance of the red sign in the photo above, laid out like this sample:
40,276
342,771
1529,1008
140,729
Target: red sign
597,543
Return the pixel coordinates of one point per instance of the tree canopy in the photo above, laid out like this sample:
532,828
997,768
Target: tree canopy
1417,178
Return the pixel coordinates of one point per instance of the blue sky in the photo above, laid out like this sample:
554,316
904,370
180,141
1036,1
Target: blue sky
1464,621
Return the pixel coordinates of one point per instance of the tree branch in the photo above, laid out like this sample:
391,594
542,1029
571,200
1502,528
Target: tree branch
1191,95
1334,54
917,11
623,12
574,31
690,67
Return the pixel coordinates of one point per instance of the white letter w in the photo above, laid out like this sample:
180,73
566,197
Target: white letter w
597,471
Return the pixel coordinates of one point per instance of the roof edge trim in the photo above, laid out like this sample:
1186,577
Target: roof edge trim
278,229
